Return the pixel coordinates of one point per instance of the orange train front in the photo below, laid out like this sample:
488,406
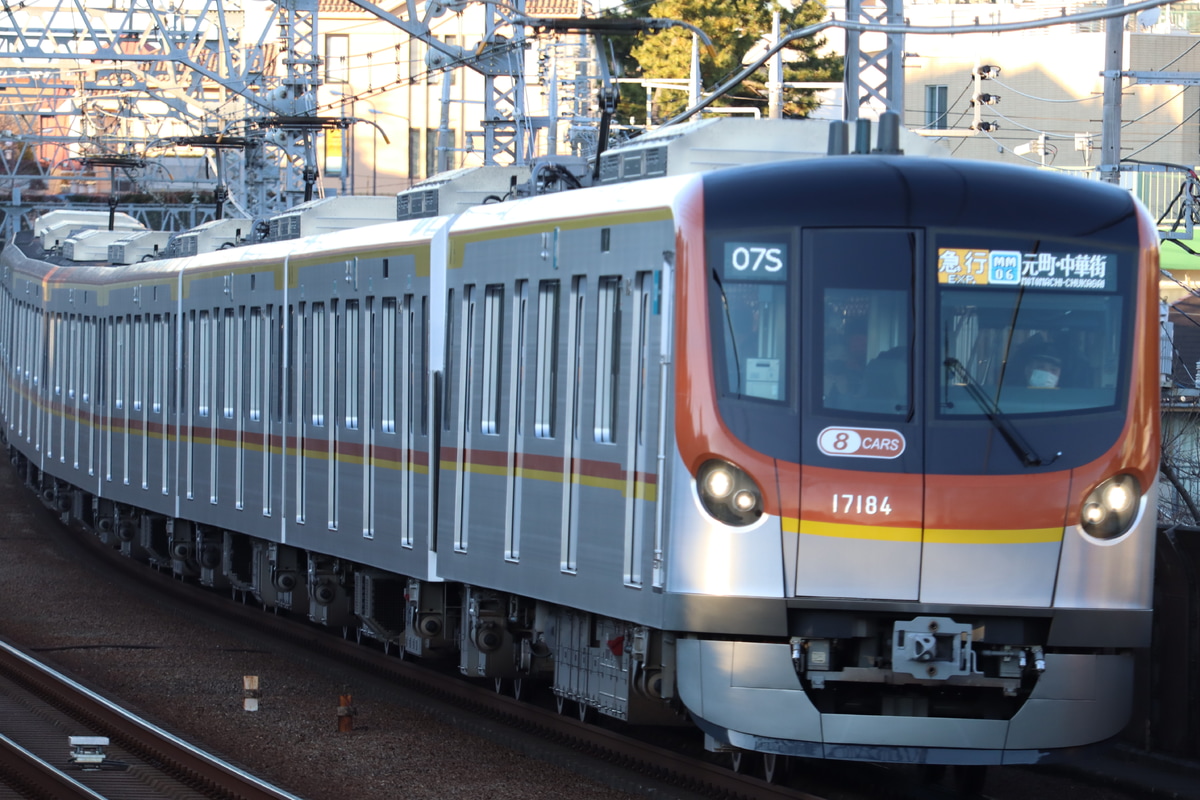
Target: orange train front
922,415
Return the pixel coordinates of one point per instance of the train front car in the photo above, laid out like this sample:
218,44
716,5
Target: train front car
921,415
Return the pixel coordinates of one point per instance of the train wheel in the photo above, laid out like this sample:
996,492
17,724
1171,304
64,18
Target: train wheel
774,767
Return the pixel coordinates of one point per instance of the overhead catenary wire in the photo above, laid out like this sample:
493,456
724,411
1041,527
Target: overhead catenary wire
1124,125
1174,128
874,27
1014,90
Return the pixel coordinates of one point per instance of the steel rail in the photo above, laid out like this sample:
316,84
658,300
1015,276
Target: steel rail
678,769
38,778
209,774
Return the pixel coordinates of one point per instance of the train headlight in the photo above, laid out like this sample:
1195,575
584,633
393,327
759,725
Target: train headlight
728,494
718,483
1109,510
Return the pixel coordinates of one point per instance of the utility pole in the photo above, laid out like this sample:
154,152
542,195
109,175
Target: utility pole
775,73
1110,127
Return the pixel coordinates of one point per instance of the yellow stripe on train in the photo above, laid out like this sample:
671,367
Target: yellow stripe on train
883,533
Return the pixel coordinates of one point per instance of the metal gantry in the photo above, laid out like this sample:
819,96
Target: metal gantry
874,78
235,81
122,80
508,133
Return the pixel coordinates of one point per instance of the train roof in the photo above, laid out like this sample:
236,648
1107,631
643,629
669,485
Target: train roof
903,191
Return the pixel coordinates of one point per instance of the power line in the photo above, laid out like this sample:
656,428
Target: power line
1165,135
1047,99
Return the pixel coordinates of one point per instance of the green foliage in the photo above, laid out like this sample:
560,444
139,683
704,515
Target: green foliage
734,26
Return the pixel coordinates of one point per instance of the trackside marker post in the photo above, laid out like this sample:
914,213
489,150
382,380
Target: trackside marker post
250,693
345,713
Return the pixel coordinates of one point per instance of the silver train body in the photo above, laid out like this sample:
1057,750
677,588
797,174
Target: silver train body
523,437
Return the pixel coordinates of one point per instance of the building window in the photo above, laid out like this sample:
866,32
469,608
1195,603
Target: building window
452,71
935,107
416,59
414,154
335,152
337,58
431,152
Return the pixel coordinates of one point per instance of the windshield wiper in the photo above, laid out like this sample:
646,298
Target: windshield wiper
1029,457
732,336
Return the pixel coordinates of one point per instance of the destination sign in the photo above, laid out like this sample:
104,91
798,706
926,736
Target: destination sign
1069,271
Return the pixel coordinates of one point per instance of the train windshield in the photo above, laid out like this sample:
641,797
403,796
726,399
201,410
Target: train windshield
1027,346
752,278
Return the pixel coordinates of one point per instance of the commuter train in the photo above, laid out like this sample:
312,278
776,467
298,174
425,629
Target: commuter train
847,457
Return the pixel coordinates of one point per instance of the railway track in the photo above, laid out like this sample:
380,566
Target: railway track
530,726
60,740
663,766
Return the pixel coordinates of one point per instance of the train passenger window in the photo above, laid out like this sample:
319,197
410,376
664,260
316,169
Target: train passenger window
62,350
608,357
230,334
39,374
579,294
387,413
73,355
546,389
289,375
413,345
520,314
256,355
353,364
318,364
19,341
336,343
120,363
88,361
157,364
299,400
493,335
61,356
461,378
642,340
468,350
58,354
76,356
419,373
1029,352
447,383
29,318
204,362
140,360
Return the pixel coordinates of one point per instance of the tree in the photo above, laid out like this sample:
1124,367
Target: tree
735,27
